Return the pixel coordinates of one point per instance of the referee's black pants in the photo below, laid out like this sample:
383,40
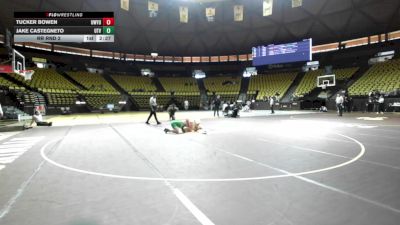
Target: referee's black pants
152,112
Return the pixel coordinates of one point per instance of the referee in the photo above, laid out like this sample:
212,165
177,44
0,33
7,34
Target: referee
153,108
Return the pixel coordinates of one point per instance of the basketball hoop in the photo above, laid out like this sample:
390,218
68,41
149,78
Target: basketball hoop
27,74
326,81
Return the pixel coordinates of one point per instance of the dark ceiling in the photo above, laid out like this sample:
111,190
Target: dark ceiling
323,20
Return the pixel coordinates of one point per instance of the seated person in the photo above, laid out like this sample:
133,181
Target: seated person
323,109
233,110
225,108
180,127
246,108
38,119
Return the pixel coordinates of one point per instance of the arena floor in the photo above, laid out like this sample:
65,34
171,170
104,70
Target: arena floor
297,168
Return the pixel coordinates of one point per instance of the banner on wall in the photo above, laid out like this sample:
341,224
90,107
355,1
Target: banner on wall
39,60
125,5
210,14
153,9
297,3
183,14
238,12
267,7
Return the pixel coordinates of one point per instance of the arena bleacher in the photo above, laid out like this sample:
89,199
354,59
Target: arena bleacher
92,81
100,99
309,81
47,78
184,88
226,87
99,92
4,83
22,95
140,88
134,83
345,73
382,77
270,84
179,84
57,89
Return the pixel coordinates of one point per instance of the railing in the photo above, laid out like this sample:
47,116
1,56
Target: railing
199,59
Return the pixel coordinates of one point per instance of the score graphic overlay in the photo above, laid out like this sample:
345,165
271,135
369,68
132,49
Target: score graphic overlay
283,53
64,27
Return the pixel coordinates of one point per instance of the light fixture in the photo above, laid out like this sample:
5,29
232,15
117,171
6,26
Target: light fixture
250,71
198,74
80,103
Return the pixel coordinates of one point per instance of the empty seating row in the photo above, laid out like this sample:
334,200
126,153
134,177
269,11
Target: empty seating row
179,84
271,84
308,83
345,73
164,98
384,77
142,98
61,99
224,96
91,81
47,78
134,83
101,101
222,84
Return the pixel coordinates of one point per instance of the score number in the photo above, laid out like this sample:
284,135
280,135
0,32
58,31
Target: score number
108,21
108,30
108,25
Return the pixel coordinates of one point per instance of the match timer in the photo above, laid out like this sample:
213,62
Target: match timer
64,27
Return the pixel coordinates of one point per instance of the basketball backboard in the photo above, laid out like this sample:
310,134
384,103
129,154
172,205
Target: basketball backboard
326,81
18,62
18,65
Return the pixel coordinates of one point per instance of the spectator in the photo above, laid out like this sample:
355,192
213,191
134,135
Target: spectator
376,101
339,104
186,104
349,104
381,102
368,102
271,104
323,109
217,105
346,103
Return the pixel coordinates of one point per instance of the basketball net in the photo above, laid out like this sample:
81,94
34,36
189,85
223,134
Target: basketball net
27,74
323,87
